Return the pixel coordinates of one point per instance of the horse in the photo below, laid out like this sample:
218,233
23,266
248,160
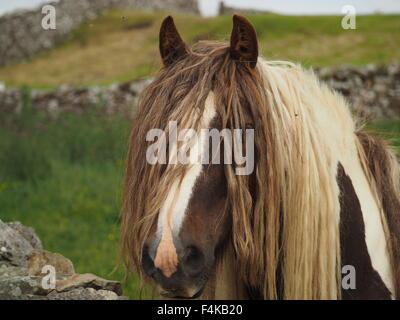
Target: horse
318,217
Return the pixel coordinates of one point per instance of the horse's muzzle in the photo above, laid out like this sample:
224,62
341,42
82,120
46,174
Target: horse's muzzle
187,281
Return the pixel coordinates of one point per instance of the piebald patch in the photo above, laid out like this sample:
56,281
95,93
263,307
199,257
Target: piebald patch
338,128
174,208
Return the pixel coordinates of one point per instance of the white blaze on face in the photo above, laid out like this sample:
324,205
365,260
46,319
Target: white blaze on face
173,210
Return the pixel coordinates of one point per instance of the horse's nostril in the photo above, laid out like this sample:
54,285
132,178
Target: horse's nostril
148,263
193,260
192,253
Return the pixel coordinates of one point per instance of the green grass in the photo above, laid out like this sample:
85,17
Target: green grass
120,46
63,177
388,129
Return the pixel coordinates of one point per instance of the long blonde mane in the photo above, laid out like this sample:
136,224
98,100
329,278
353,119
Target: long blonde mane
292,222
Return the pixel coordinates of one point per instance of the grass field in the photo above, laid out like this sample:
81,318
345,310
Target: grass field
121,46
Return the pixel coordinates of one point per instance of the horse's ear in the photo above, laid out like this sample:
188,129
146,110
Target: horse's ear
172,46
244,43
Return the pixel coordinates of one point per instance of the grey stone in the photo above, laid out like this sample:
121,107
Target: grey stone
14,248
88,280
15,288
18,282
28,233
8,271
83,294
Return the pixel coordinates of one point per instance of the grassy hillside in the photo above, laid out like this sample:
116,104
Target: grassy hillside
120,46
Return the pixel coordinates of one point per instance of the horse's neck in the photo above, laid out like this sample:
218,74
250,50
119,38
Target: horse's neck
225,284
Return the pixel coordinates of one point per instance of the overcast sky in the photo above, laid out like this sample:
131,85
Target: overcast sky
210,7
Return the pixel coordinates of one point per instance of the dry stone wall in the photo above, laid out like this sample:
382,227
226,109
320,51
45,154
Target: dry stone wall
227,10
373,92
22,35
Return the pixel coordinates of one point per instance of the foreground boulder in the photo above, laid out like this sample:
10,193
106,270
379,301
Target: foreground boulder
16,243
26,271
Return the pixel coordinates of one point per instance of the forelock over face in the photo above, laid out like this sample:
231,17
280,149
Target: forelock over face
175,207
181,220
187,232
